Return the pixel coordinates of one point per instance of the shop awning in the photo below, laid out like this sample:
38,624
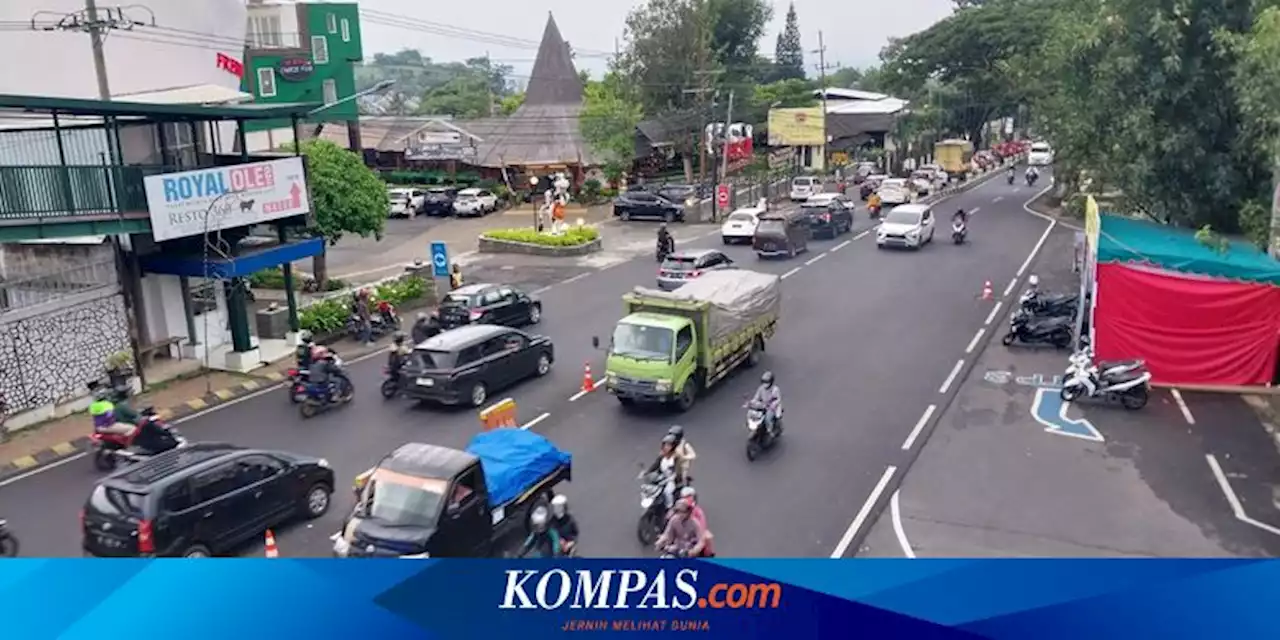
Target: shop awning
1126,240
251,261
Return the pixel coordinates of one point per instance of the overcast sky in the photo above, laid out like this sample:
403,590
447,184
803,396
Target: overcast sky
854,31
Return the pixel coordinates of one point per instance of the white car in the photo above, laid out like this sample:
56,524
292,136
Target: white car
1040,155
805,186
922,182
740,226
405,203
895,191
475,202
910,225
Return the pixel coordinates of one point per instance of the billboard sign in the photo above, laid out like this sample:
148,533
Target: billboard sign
296,69
797,127
190,203
419,151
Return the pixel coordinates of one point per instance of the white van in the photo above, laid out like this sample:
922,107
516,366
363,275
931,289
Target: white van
805,186
1041,154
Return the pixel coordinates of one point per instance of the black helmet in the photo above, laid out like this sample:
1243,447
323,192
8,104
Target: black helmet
399,337
676,431
669,440
767,378
305,337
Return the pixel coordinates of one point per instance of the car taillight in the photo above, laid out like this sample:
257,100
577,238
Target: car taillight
475,315
293,373
694,274
145,542
826,217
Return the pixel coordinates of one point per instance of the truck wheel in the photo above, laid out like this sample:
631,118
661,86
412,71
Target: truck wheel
688,395
626,402
757,348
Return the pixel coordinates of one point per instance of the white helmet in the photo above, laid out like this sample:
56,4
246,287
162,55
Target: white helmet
538,519
1034,280
559,505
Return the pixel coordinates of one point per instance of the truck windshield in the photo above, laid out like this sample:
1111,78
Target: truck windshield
642,342
397,499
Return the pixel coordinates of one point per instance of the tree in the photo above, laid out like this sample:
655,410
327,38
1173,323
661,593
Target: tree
844,78
346,197
737,26
1256,77
465,97
789,54
608,121
510,103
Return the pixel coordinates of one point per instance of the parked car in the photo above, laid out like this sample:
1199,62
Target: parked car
909,225
804,186
202,500
475,202
685,194
405,202
830,214
741,224
486,303
646,204
683,266
463,365
895,191
870,185
439,201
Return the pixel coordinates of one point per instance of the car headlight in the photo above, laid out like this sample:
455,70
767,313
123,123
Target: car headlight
323,463
662,386
610,377
914,233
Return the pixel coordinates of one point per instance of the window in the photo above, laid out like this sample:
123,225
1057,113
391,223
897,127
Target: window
493,346
330,89
264,32
491,297
219,482
683,340
320,49
267,83
331,21
468,355
467,487
259,468
346,30
177,498
513,342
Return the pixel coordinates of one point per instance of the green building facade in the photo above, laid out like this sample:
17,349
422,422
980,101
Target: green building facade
304,52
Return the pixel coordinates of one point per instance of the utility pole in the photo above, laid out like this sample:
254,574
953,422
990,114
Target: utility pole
488,81
724,156
822,82
99,56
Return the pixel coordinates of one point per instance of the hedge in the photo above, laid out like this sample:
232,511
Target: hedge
330,315
572,237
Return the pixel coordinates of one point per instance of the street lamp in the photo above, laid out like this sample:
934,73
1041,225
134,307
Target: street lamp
377,88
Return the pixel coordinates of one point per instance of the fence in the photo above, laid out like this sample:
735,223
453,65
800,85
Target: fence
49,287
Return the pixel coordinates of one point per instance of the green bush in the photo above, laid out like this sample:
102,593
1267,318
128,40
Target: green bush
274,279
572,237
329,316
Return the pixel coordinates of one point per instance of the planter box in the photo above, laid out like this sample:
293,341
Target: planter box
490,245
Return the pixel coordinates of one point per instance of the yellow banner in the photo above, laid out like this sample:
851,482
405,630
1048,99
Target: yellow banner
796,127
1092,222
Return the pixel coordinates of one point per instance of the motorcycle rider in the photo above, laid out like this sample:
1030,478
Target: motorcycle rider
666,243
302,356
690,495
1012,174
422,328
1032,174
668,466
873,204
960,216
769,395
563,523
684,536
543,541
684,453
324,371
109,417
398,355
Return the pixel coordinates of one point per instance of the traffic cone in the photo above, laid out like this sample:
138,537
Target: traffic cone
986,290
272,550
588,385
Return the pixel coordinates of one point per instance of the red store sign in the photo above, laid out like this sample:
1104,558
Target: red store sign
230,65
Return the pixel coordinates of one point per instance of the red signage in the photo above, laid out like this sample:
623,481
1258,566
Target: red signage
230,65
722,196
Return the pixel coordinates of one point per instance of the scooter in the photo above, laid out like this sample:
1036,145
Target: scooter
1052,331
297,385
321,398
653,515
1048,304
390,382
164,438
1082,360
111,448
958,232
1130,388
8,542
760,438
1031,179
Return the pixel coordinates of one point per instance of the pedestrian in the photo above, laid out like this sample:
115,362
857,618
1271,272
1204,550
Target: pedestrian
365,315
455,276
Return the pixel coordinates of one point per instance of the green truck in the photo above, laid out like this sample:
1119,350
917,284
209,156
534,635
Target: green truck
672,345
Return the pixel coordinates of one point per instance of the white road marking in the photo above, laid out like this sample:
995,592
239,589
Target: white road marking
814,259
955,371
1009,289
863,513
576,278
708,235
915,431
1182,404
1036,249
841,245
529,425
577,396
975,210
896,515
994,310
997,199
47,467
791,273
974,342
862,235
538,292
1236,508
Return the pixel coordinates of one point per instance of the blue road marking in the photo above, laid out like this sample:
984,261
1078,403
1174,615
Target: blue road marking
1050,411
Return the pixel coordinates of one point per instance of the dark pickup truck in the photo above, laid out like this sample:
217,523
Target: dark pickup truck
425,501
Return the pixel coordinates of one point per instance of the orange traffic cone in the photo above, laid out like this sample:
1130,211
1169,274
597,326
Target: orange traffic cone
588,385
272,550
986,290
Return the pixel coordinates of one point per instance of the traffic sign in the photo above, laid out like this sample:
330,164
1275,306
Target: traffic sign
722,196
439,260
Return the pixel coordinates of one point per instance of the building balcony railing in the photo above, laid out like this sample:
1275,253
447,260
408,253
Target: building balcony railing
36,192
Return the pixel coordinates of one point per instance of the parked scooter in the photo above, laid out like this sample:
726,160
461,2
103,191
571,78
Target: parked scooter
653,515
761,438
1036,303
1029,330
958,232
1131,388
8,542
1082,360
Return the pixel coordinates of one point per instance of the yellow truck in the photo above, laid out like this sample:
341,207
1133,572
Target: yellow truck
954,156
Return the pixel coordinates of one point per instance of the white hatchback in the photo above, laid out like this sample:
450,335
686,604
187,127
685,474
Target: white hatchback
805,186
475,202
910,225
740,226
895,191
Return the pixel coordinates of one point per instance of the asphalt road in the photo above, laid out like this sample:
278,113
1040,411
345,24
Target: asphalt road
865,341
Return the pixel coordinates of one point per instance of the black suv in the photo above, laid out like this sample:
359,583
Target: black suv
463,365
439,201
201,500
487,304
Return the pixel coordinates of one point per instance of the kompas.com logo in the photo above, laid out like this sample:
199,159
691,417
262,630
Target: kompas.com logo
614,589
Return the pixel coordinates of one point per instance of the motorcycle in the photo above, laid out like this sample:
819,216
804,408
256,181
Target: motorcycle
390,382
297,385
958,232
1048,304
664,249
760,437
321,398
1131,388
110,448
1011,178
1082,360
1031,179
1056,331
8,542
653,517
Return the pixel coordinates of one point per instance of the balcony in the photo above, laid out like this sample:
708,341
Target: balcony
92,199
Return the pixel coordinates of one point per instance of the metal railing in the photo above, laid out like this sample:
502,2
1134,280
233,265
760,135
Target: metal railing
33,191
40,289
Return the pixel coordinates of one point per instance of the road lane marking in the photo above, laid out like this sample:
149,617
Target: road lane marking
538,292
814,259
955,371
974,342
1009,289
529,425
791,273
861,518
1036,249
896,514
841,245
994,310
1236,507
576,278
915,431
862,235
1182,404
997,199
975,210
577,396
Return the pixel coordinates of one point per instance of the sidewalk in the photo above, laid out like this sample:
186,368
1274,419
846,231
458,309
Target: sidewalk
174,400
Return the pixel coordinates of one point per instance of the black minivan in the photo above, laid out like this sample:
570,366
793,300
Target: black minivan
781,233
201,500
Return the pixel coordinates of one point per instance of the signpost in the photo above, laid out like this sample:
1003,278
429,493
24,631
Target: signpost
439,260
722,196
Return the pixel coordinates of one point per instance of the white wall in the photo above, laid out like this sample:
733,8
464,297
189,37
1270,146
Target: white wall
180,51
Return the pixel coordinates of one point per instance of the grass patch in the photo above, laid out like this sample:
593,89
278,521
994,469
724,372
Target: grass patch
572,237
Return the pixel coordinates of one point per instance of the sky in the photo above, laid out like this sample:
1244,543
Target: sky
509,29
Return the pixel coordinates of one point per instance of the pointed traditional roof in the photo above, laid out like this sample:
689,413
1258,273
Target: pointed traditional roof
554,80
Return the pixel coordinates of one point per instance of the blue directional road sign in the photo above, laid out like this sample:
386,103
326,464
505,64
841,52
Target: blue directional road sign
1050,411
439,260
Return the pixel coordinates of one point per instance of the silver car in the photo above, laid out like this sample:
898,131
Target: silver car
683,266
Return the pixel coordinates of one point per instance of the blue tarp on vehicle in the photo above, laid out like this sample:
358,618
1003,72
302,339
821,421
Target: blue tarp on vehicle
514,460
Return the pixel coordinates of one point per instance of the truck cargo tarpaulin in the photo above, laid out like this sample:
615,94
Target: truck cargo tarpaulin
737,298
